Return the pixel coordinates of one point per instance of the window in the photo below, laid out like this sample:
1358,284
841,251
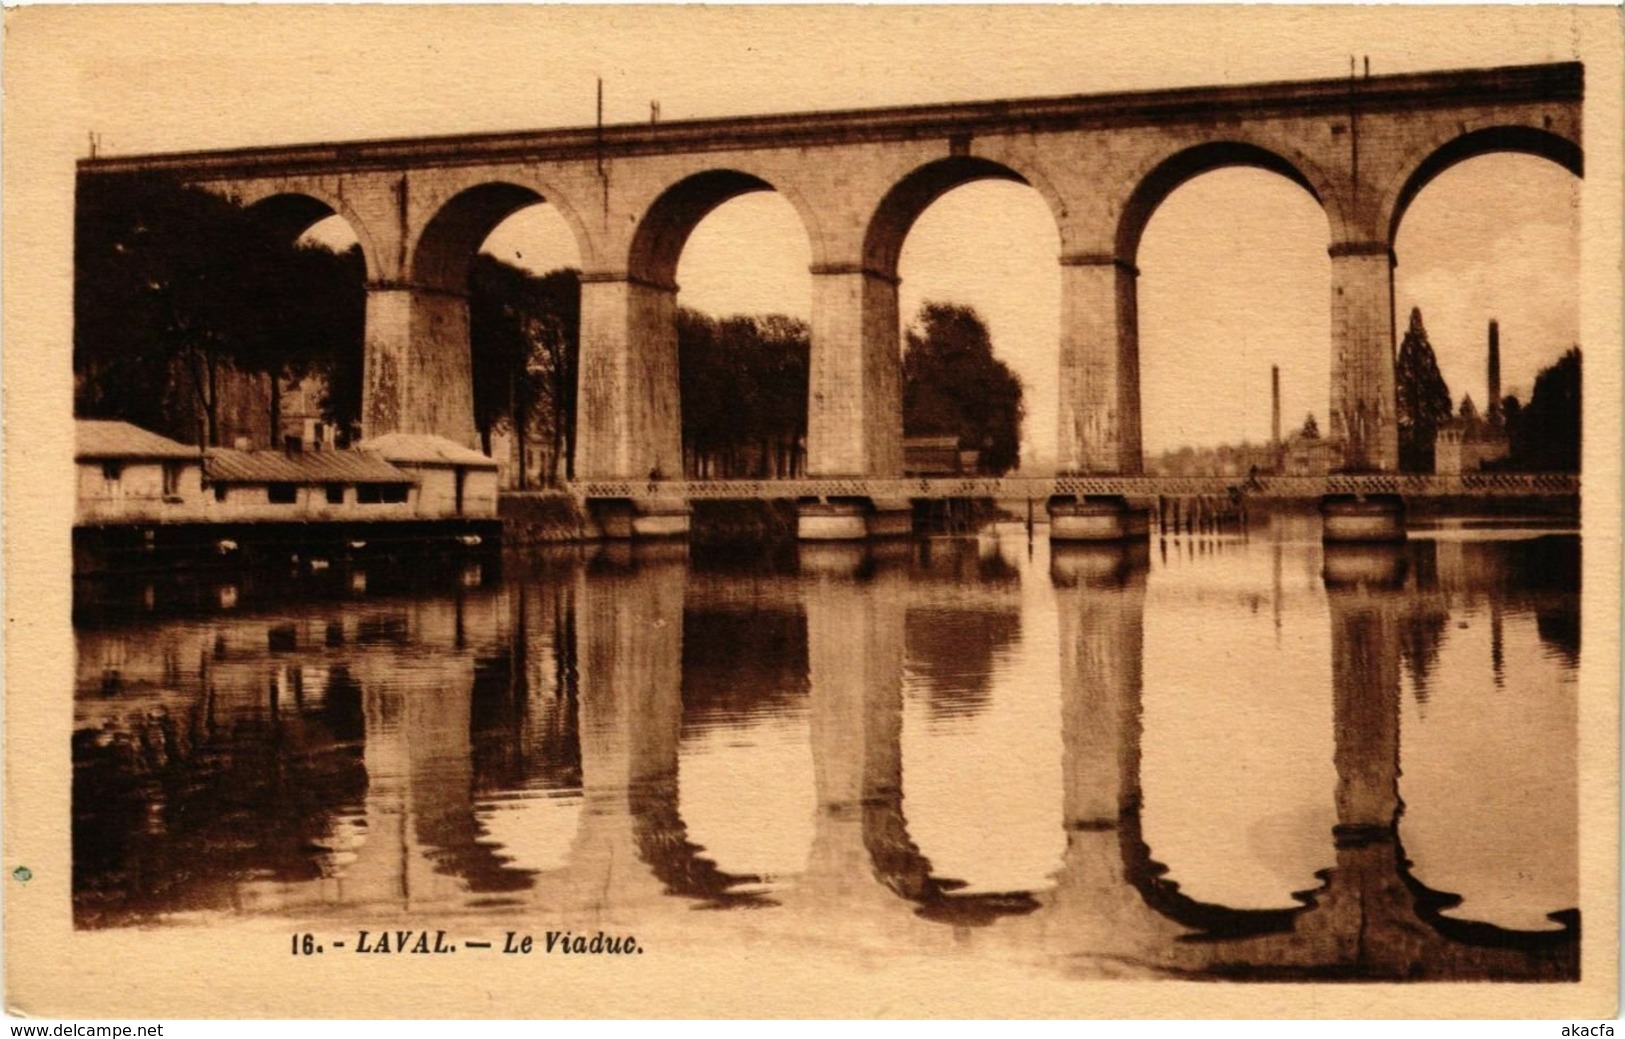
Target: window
282,493
112,470
219,492
335,494
381,493
172,479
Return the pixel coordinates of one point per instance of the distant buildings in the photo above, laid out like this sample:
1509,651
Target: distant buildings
1468,441
1463,446
1303,455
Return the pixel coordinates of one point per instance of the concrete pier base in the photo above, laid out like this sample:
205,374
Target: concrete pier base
1374,518
853,519
620,519
1110,564
1356,564
1097,519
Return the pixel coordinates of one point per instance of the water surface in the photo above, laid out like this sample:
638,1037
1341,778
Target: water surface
1219,756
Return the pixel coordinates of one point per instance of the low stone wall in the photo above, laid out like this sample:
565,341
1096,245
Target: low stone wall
542,517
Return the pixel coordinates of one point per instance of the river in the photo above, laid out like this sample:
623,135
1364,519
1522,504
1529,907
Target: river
1236,756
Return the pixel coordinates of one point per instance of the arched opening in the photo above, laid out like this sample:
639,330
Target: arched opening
1232,308
524,291
303,390
1488,264
421,374
1484,238
1229,243
720,391
744,304
977,312
989,247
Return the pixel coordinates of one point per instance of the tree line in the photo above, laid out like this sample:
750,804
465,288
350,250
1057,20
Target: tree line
180,294
178,291
1543,435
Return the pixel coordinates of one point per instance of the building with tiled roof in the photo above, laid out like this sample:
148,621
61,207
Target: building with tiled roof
128,475
227,465
452,480
99,439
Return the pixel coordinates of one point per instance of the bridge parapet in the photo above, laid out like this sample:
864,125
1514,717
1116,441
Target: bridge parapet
1408,485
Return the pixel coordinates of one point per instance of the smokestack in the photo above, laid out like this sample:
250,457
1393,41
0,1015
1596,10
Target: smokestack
1495,363
1275,404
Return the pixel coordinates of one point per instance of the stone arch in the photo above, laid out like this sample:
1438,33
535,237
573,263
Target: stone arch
1182,167
441,255
465,211
911,196
1439,155
293,212
665,226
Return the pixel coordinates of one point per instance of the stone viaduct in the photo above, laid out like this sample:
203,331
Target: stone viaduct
1361,147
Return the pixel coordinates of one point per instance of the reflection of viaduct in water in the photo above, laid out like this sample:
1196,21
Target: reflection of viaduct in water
420,841
1111,903
1370,916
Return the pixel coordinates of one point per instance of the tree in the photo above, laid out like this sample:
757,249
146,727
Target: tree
1311,428
743,386
954,386
1545,432
524,341
324,329
1421,396
1468,413
177,290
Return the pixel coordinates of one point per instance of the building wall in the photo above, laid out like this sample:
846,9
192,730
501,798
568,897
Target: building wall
247,503
1453,453
437,491
138,493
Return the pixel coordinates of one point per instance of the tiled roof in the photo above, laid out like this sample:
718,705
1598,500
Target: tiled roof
103,438
425,449
225,465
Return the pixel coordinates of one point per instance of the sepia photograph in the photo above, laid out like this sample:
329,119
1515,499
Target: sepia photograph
862,512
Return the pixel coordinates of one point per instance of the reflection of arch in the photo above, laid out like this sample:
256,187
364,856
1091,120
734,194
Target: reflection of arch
911,196
661,837
664,229
290,214
1176,170
1440,156
855,651
1210,920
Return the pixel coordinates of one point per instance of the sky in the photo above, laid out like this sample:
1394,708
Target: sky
1493,237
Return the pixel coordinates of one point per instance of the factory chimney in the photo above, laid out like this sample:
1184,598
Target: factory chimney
1494,410
1275,405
